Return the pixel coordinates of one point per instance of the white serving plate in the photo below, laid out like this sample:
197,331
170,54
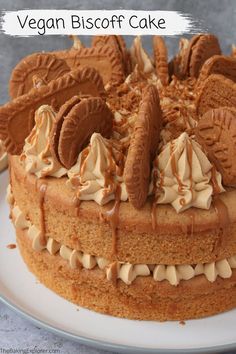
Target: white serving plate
20,290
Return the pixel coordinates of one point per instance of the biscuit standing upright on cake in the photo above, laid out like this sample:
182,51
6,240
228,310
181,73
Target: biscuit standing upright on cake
161,59
218,64
143,147
84,118
118,43
216,132
20,111
35,70
216,91
200,48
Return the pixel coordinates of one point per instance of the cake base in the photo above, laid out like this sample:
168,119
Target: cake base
144,299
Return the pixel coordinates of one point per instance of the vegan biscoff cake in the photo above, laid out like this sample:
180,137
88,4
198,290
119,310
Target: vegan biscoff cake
123,175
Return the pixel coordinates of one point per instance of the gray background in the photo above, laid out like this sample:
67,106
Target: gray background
217,16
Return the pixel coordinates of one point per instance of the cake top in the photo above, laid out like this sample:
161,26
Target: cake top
119,125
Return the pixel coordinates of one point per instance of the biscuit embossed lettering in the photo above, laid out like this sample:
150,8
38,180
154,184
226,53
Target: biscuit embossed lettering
161,59
216,91
78,121
200,48
43,65
20,112
216,132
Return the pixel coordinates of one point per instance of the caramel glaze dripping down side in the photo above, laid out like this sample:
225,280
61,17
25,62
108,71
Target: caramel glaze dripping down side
220,207
192,217
215,186
222,214
156,192
76,201
174,168
84,155
112,216
114,272
154,204
111,186
190,162
42,192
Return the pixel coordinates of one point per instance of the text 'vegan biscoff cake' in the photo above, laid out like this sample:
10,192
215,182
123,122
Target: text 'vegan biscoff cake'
123,175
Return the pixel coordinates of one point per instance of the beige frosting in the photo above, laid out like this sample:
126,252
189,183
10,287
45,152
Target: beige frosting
173,273
35,235
102,262
184,185
52,246
9,196
89,175
77,44
3,157
139,57
128,272
125,271
19,218
223,268
124,127
36,152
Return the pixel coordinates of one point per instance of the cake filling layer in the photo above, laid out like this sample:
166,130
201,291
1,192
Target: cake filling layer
126,272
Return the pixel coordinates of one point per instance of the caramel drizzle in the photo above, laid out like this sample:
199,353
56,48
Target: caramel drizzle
84,155
76,183
174,168
114,272
75,179
221,211
190,162
112,216
223,218
156,190
76,203
110,185
216,187
154,204
42,192
192,217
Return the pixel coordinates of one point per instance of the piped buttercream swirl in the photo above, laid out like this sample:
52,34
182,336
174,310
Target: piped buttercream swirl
184,175
36,152
140,57
96,174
